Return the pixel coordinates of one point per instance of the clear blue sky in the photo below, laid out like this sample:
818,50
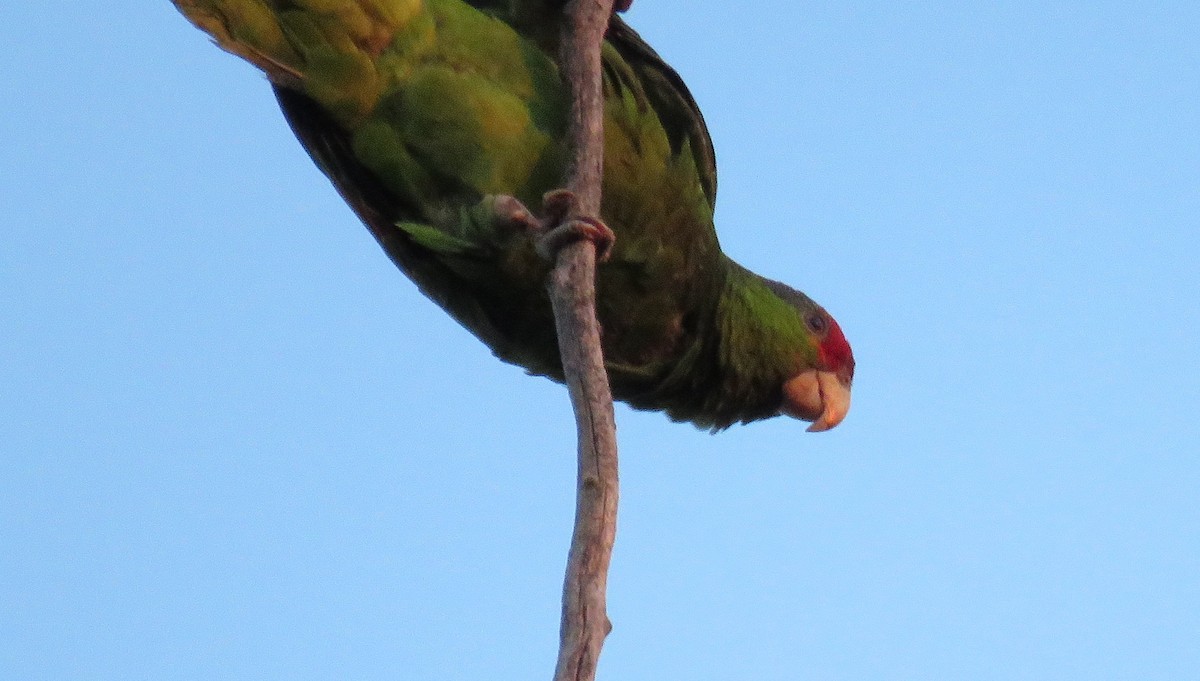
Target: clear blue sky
235,443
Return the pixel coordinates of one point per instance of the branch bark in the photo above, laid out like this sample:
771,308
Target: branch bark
572,289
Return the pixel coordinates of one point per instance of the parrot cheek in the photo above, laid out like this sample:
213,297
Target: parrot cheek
817,396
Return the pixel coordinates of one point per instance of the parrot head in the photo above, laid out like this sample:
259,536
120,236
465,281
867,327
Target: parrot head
820,391
822,394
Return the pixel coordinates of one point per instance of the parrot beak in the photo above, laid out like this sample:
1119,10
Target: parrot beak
822,397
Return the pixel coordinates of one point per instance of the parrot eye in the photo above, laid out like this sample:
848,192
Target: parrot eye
816,323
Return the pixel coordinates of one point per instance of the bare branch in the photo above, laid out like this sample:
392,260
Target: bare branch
585,621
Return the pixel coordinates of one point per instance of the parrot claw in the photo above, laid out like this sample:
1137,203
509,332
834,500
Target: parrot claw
558,206
513,212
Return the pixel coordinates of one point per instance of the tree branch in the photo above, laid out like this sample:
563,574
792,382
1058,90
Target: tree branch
585,621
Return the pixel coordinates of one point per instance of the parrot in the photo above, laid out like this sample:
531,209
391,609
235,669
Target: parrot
440,121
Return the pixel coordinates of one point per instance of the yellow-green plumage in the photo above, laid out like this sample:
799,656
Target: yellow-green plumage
421,112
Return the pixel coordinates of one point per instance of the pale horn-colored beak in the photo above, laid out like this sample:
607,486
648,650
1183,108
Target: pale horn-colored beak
818,396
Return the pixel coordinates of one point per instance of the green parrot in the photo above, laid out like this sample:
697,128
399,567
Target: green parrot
439,120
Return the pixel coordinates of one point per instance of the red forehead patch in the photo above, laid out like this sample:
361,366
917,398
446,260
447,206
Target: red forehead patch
835,351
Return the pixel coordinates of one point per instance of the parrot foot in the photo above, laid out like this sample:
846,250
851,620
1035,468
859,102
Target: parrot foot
621,5
560,225
582,228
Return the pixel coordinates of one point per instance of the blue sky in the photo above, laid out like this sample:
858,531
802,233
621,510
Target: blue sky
238,444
